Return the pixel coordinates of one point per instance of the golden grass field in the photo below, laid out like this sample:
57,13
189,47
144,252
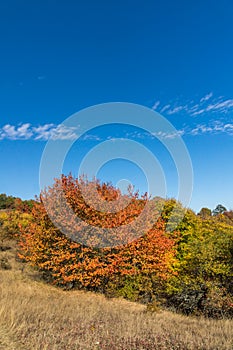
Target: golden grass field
36,316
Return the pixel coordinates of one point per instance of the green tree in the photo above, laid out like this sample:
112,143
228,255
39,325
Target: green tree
6,202
220,209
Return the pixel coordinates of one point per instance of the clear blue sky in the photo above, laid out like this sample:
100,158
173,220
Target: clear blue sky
58,57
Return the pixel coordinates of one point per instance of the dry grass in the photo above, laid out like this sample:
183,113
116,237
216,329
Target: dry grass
37,316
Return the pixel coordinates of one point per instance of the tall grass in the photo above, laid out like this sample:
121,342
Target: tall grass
36,316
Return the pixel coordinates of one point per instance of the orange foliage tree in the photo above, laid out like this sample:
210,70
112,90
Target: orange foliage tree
88,234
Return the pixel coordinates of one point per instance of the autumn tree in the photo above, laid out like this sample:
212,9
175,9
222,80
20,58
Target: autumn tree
205,213
89,256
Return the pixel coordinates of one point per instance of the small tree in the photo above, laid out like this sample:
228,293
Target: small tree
6,202
205,213
220,209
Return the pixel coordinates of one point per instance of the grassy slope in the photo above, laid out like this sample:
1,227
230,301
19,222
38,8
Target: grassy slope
36,316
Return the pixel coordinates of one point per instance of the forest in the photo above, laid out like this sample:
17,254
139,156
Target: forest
180,261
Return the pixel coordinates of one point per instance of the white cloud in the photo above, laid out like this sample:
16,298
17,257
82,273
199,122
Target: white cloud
43,132
194,108
156,105
206,97
214,128
218,105
24,130
176,109
90,137
169,135
201,129
224,105
9,131
197,112
228,126
21,132
62,132
165,108
206,104
137,134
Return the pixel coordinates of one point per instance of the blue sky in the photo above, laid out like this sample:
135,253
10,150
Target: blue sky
58,57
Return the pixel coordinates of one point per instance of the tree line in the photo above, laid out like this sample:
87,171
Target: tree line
181,260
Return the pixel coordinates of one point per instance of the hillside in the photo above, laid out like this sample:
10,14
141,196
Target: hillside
38,316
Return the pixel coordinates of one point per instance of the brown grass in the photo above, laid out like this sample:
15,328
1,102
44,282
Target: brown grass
36,316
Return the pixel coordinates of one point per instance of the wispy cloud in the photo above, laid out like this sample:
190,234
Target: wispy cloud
206,104
160,134
212,128
169,135
219,105
177,109
165,108
156,105
206,97
61,132
90,137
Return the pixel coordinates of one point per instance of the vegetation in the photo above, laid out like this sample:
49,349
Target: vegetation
36,316
181,261
10,202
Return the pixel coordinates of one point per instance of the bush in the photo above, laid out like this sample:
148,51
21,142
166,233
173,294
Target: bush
11,222
218,303
208,300
188,301
4,264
